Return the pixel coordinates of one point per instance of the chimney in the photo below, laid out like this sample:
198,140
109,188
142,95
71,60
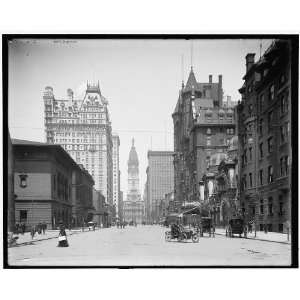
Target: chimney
220,92
210,78
249,61
70,94
220,80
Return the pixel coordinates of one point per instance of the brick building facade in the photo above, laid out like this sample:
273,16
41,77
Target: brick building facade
264,126
203,126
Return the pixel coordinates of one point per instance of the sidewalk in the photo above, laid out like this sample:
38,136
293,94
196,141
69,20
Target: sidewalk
50,234
262,236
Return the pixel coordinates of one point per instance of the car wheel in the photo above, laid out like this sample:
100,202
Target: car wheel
195,238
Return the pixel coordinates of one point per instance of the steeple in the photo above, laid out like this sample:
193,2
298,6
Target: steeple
192,82
132,142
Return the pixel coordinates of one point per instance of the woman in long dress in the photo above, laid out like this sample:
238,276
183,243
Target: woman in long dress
62,237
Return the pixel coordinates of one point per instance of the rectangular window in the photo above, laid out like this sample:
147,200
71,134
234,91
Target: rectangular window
284,133
260,126
261,151
282,79
271,92
261,102
270,227
250,153
270,174
261,177
281,167
270,206
250,179
270,144
261,209
23,216
282,104
245,157
250,110
270,120
280,208
208,141
286,165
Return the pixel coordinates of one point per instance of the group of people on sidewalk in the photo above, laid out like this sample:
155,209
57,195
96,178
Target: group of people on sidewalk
20,228
40,228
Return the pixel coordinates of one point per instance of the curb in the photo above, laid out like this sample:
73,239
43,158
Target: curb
259,239
49,238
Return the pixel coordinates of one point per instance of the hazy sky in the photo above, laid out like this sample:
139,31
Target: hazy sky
139,78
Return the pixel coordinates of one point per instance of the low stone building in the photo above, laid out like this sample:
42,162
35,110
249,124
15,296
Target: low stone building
49,186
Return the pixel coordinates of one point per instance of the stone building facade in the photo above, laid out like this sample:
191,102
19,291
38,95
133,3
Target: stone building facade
10,186
83,128
219,185
116,172
264,126
203,126
49,186
160,181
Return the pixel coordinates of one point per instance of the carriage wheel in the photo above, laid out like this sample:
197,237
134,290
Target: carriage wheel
168,236
195,238
182,237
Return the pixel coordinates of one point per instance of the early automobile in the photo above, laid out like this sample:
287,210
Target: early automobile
236,226
181,234
206,226
91,225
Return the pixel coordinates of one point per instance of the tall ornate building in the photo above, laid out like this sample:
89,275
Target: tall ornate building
116,172
264,125
133,207
83,128
203,126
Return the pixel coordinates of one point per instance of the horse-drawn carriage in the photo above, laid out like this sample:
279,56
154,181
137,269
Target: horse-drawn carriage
236,225
206,226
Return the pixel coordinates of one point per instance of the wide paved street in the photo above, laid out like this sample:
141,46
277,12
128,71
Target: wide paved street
145,245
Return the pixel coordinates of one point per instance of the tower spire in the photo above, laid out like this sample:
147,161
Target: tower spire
260,48
132,142
182,72
192,55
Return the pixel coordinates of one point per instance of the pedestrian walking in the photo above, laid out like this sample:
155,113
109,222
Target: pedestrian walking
44,226
62,237
17,226
32,231
39,227
23,227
